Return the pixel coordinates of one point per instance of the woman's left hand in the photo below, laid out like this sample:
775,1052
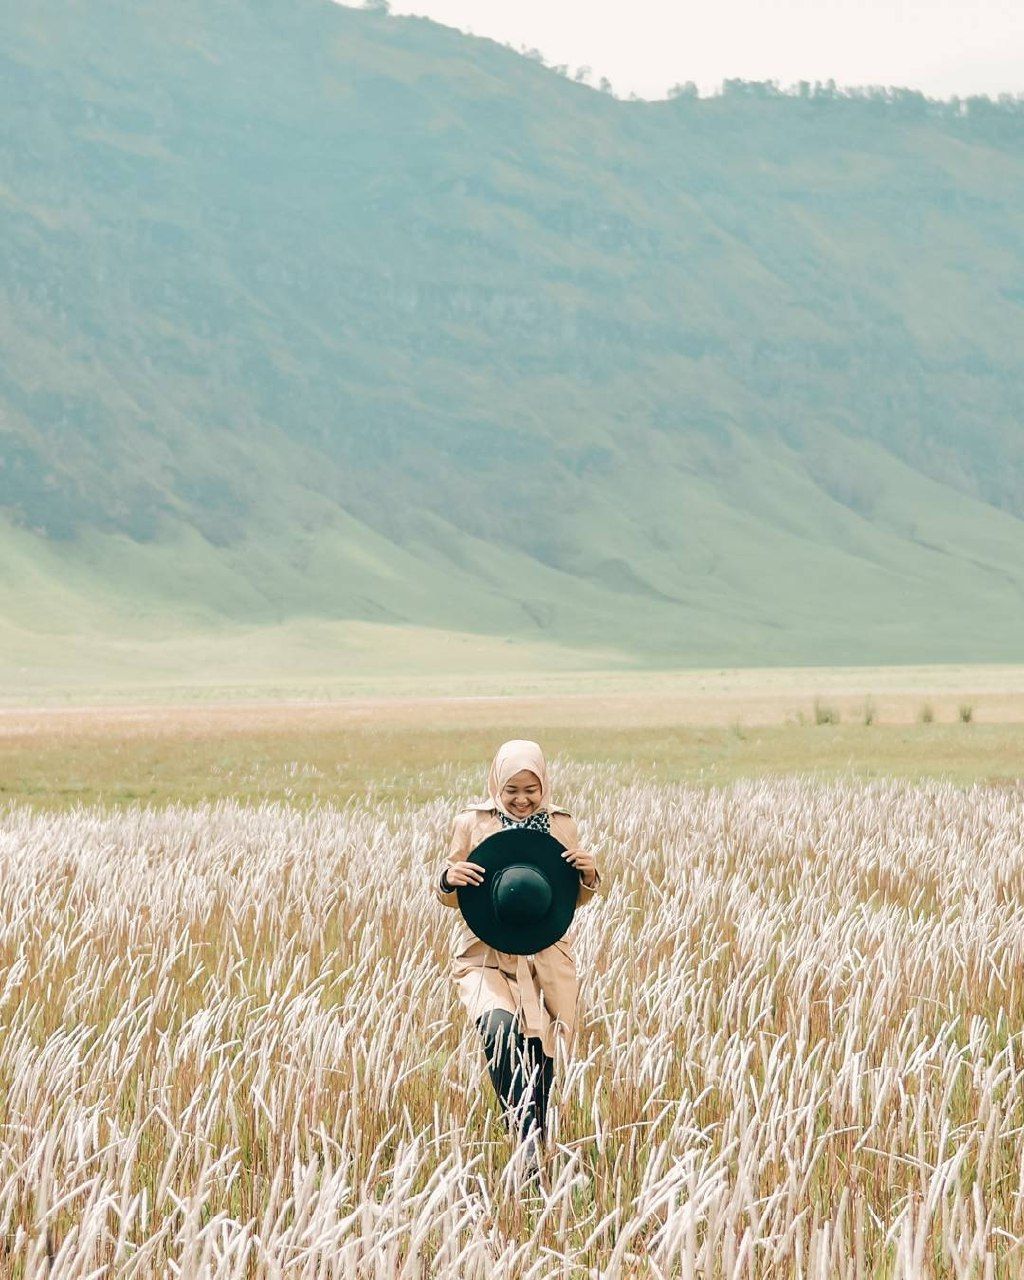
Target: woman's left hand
584,863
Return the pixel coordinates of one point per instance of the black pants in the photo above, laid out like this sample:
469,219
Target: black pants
520,1071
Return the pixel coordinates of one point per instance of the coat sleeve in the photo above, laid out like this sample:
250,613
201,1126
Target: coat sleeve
458,851
570,837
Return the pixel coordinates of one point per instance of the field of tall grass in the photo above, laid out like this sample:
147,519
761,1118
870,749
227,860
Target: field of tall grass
229,1046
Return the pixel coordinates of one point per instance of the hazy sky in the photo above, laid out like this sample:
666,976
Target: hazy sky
644,46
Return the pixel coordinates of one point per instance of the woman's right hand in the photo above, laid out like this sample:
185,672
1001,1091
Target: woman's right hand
461,873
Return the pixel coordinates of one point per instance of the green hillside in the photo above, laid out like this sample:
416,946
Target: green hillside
317,318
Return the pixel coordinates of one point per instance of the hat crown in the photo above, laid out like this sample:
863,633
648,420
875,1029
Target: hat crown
521,894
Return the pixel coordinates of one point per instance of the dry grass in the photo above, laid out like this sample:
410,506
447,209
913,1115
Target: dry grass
407,668
304,754
230,1048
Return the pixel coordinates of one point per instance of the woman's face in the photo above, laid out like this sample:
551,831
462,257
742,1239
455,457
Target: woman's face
521,794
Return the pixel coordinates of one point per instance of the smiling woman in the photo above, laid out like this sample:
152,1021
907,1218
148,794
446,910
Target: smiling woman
521,794
523,1005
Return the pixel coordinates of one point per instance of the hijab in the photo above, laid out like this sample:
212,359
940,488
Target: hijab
510,758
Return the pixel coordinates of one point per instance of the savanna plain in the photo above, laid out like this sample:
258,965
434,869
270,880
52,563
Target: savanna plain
229,1047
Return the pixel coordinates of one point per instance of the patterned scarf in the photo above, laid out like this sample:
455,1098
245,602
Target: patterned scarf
539,821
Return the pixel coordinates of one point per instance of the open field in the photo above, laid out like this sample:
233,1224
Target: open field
231,1050
701,727
89,656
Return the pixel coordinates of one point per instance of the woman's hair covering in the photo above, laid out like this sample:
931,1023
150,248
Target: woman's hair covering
510,758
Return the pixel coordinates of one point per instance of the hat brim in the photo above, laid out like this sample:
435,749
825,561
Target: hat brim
505,849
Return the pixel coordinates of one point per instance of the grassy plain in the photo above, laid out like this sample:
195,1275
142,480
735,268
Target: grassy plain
232,1051
698,727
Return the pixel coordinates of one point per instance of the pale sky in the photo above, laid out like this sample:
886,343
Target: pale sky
942,47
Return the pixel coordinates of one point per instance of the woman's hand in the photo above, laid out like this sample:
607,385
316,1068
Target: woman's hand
460,873
585,864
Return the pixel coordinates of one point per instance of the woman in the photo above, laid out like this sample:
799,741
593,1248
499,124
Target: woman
521,1005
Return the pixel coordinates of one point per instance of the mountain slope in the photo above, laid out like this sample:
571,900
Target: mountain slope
318,313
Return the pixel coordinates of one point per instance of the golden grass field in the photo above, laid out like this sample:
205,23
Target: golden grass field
230,1047
700,727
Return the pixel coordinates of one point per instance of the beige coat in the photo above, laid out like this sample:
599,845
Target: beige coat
542,990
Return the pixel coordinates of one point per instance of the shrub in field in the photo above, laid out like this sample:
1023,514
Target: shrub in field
927,713
230,1048
966,713
825,714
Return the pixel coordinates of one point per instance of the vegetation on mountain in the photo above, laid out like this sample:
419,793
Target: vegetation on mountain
319,313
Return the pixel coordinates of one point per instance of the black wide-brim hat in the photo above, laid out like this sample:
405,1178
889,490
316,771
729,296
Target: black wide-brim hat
528,895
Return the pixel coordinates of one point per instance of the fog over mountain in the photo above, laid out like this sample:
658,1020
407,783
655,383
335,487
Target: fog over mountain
319,313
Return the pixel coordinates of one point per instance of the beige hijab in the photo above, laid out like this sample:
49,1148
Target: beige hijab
512,756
